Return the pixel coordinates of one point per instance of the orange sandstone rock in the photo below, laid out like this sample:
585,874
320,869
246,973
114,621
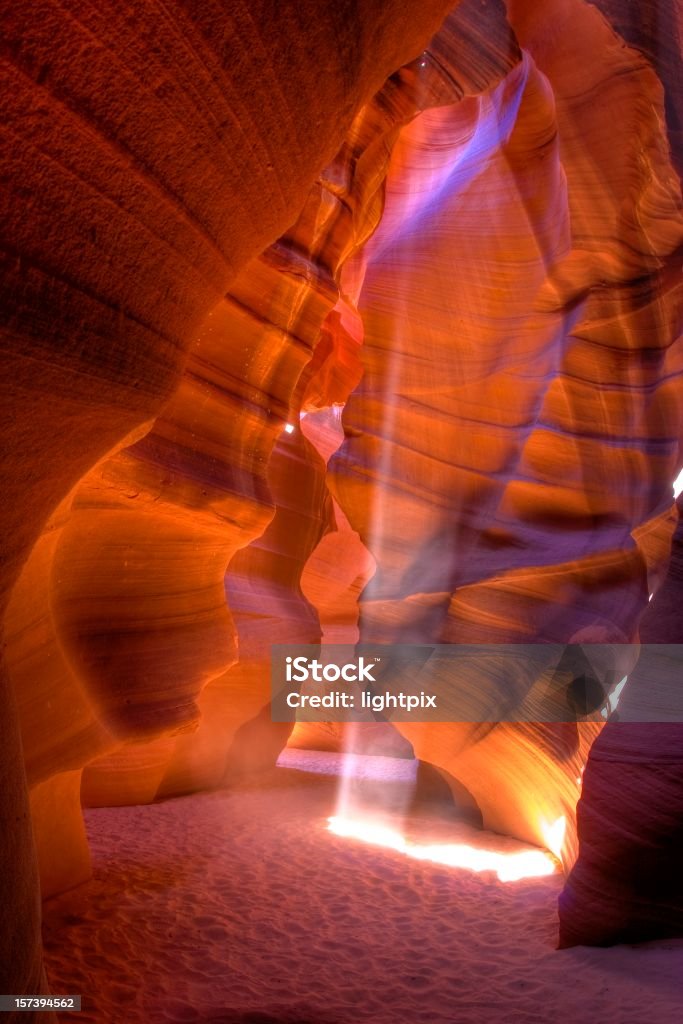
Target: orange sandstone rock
147,157
510,449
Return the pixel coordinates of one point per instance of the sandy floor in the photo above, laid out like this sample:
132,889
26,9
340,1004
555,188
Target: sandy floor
242,908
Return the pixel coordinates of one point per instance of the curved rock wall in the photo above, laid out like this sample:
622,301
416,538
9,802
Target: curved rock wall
626,884
255,355
284,339
511,447
148,154
509,450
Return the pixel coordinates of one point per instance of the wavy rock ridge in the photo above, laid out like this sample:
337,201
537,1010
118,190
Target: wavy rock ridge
148,155
511,446
495,250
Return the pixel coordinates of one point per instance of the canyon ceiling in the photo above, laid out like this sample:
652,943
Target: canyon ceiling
220,216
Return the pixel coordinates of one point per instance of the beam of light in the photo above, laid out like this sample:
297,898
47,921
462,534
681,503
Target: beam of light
678,484
509,867
289,428
396,778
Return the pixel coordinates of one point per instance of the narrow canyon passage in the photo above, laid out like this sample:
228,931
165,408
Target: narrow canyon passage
341,533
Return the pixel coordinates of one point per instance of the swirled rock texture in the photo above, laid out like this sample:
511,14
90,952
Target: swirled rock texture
511,447
219,216
626,884
283,340
148,154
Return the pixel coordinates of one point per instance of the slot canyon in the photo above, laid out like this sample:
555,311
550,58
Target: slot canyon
341,327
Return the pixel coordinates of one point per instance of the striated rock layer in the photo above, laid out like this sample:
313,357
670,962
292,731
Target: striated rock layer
510,449
148,154
626,884
211,494
189,267
284,339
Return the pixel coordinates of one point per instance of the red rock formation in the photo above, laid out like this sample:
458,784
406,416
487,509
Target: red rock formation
187,479
148,154
510,450
656,30
626,884
282,339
